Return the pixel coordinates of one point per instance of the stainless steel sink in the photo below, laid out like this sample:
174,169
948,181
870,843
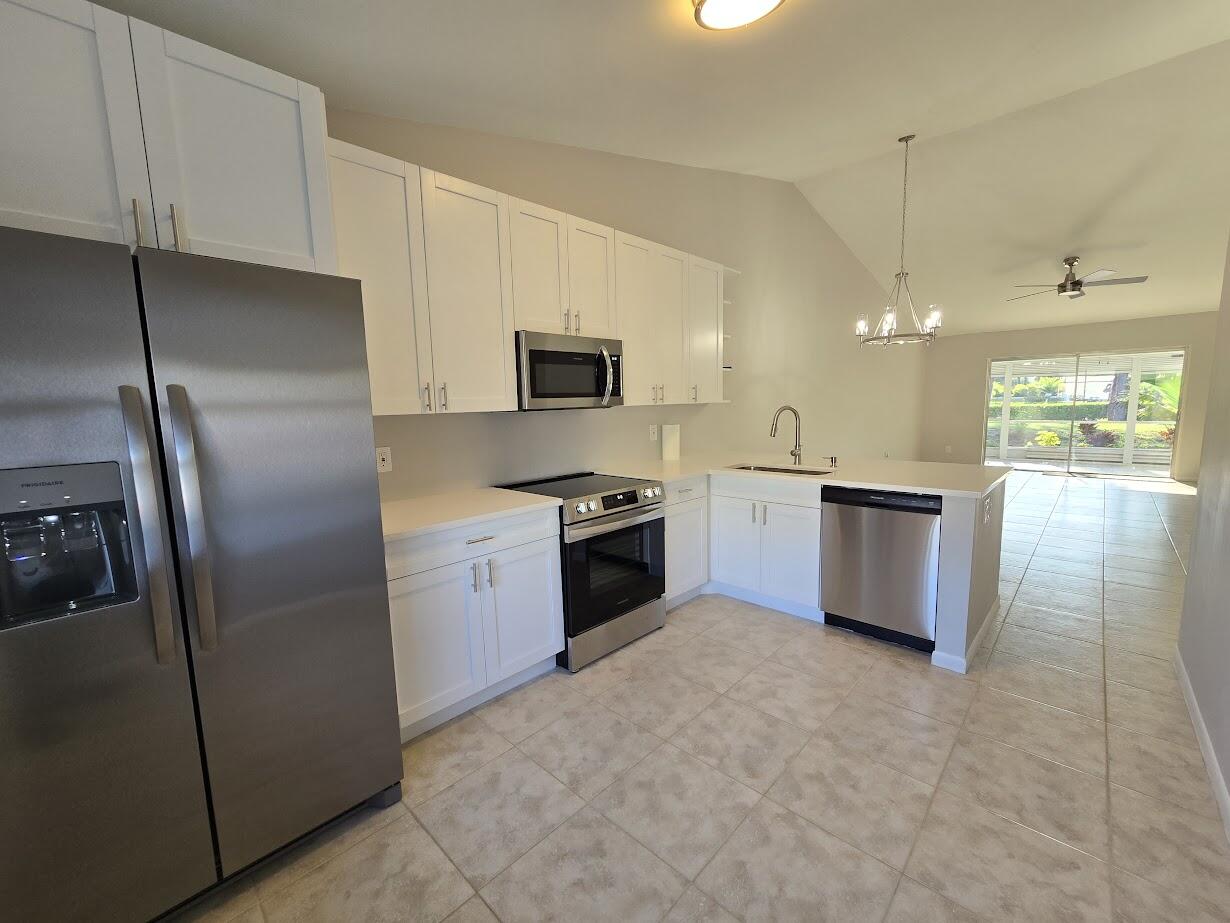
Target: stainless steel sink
809,472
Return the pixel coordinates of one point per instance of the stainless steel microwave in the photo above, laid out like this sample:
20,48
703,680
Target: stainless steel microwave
559,372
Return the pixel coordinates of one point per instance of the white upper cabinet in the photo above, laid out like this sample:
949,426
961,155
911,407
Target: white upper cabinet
378,217
70,123
669,311
704,331
237,150
469,283
633,296
591,278
539,238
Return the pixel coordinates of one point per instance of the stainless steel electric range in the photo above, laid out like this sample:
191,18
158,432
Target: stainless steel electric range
612,543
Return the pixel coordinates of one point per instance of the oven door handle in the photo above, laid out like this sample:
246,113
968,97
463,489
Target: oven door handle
583,531
610,373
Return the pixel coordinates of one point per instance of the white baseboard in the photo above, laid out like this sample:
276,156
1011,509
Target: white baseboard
423,725
1216,777
949,662
685,597
961,664
811,613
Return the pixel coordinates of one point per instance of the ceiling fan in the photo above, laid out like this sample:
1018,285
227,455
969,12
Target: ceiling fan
1074,287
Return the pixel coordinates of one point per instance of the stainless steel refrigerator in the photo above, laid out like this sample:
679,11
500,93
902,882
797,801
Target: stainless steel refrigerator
195,657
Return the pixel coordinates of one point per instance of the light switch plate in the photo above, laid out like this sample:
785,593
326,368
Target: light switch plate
384,459
653,432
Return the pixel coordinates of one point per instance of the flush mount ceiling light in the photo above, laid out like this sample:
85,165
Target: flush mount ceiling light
731,14
886,330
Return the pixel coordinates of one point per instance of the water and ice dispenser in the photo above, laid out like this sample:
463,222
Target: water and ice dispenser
64,542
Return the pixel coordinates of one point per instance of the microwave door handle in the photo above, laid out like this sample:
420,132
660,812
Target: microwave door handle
610,375
148,515
194,515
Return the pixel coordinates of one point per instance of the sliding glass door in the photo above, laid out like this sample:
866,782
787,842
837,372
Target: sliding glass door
1092,413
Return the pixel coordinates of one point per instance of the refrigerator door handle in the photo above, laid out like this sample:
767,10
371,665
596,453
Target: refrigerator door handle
194,515
148,516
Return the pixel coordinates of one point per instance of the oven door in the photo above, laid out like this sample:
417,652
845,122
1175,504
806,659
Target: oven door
556,372
612,566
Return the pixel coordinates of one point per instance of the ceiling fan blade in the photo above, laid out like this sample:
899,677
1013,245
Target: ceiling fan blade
1076,294
1098,275
1037,285
1130,280
1030,295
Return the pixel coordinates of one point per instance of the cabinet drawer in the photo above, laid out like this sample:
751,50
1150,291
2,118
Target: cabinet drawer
423,552
689,489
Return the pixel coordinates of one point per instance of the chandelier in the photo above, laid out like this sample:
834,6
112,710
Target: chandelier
886,332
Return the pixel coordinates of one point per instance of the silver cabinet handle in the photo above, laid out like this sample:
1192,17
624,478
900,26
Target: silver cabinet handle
194,515
444,396
576,327
474,575
662,394
475,541
567,322
610,375
175,231
764,514
753,512
136,219
490,573
695,393
686,490
427,396
150,517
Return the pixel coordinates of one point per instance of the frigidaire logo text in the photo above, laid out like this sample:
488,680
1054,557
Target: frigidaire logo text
42,484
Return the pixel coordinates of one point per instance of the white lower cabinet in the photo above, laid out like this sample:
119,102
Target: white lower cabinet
523,619
437,639
790,553
768,548
687,545
460,628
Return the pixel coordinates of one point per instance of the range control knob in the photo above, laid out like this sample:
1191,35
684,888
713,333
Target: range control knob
592,505
580,507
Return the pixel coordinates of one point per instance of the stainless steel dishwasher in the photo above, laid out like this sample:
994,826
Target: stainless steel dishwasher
880,563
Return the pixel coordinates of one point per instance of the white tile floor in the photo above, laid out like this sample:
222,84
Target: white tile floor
741,764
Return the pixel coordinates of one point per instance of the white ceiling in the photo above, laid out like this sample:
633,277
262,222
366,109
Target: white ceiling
1132,174
822,86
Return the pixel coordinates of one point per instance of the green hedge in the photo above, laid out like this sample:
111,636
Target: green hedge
1052,410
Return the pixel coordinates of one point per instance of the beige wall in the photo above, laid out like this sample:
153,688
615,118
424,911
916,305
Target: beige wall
956,378
1204,634
795,304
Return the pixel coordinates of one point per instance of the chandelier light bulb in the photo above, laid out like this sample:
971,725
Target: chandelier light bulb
860,326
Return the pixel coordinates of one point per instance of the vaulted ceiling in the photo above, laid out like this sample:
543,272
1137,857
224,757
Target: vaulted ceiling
1044,127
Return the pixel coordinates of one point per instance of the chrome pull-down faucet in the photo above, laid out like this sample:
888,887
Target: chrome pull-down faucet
797,452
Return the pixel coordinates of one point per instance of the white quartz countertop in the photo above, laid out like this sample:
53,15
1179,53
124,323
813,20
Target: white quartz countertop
435,512
942,478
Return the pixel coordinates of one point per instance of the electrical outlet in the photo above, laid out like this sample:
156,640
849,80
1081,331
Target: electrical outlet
653,432
886,453
947,450
384,459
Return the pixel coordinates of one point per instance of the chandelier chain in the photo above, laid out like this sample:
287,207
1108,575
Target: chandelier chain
905,185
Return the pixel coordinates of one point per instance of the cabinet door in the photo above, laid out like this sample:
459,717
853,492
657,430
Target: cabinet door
74,159
633,297
378,216
523,616
469,294
734,541
437,639
791,553
704,338
591,278
670,308
238,150
687,546
539,242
